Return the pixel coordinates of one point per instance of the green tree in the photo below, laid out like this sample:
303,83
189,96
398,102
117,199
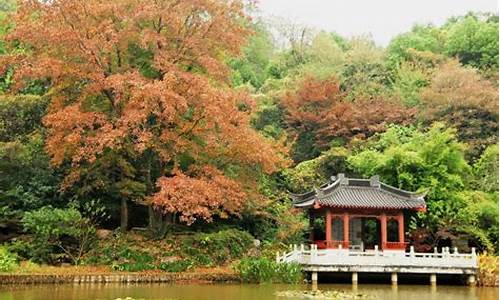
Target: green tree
413,160
474,42
315,172
323,57
365,73
26,180
422,38
251,66
434,161
409,77
486,170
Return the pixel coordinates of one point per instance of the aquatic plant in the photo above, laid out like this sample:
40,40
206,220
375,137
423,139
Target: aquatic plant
319,294
264,270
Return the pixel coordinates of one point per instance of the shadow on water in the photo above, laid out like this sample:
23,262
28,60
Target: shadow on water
385,278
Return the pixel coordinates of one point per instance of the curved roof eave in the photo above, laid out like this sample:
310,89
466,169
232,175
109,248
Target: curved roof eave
303,204
413,195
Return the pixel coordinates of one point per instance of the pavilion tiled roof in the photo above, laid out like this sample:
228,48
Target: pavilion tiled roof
343,192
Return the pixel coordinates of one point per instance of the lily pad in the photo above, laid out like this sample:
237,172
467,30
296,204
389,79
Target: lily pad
319,294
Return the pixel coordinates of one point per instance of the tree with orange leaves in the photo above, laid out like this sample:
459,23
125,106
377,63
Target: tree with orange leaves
321,111
144,79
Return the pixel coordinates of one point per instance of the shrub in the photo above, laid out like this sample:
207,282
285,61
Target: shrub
264,270
133,261
488,270
122,254
21,247
29,267
217,248
176,266
7,260
59,234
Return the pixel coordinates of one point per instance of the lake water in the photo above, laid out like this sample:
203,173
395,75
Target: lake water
236,291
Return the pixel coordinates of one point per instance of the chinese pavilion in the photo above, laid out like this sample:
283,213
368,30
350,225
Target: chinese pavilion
358,212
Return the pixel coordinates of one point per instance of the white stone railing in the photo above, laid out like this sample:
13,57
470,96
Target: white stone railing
312,256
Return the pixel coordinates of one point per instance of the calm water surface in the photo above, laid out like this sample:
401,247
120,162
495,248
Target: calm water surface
235,291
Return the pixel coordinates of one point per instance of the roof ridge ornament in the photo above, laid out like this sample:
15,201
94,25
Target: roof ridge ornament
375,181
343,179
319,191
420,194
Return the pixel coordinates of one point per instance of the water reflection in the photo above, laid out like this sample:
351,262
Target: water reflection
237,291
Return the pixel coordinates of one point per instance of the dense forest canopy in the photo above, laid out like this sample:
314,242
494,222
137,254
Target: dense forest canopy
149,113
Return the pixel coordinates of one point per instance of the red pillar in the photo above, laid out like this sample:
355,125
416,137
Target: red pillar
346,230
401,228
328,232
311,227
383,229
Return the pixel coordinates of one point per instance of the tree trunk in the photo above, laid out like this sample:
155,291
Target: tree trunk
124,215
160,223
149,190
150,218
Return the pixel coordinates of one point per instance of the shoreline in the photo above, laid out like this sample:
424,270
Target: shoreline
126,278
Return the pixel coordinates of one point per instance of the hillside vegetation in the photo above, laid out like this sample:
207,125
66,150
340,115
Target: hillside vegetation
188,117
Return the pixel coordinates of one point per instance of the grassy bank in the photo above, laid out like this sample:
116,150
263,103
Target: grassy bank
221,256
136,253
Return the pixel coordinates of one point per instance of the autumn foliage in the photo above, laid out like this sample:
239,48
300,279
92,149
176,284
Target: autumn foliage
209,192
456,87
144,76
320,106
465,100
